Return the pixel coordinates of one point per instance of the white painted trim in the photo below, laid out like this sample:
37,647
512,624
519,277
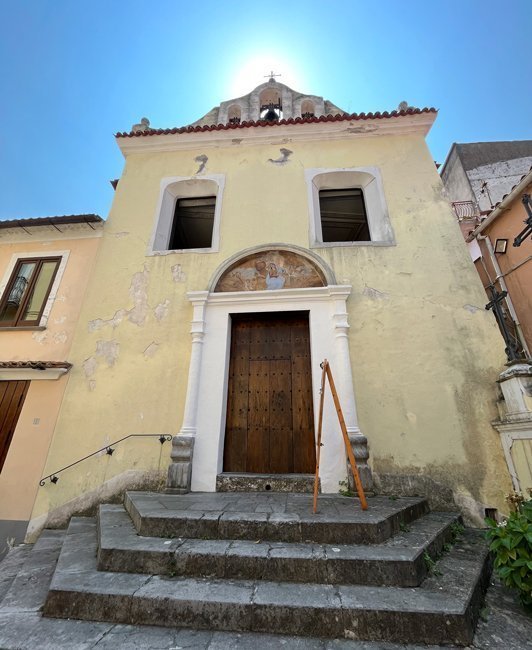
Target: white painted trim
31,374
173,188
419,124
510,432
328,326
64,255
368,179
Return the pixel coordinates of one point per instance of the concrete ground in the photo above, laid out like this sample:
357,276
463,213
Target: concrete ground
25,577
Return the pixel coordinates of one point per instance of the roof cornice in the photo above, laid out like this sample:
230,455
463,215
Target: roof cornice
418,121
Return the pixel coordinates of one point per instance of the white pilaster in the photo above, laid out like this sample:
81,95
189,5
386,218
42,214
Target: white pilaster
197,330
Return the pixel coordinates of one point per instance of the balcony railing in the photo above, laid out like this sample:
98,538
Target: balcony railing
466,209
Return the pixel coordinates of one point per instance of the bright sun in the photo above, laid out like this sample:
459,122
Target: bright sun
256,70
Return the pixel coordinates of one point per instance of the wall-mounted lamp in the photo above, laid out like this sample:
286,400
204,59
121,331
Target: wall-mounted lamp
500,245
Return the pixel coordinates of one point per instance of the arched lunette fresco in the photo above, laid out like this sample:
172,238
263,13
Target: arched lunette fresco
271,270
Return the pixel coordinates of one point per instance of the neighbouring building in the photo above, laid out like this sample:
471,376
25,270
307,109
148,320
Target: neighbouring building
45,264
240,252
501,247
477,175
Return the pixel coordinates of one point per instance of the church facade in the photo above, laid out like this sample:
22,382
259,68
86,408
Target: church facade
239,253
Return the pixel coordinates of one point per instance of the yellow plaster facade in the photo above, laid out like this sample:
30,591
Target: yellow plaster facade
424,352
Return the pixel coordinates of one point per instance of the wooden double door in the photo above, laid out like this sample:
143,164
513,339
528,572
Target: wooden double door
270,423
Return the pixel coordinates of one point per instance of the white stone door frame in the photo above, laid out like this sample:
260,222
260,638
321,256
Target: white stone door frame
206,402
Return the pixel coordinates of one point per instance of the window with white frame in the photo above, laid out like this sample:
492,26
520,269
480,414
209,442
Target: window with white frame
347,207
188,215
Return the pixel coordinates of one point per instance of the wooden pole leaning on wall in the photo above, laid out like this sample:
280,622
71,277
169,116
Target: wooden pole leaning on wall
326,372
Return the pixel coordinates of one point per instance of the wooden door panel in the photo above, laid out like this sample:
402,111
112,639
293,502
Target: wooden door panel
235,450
12,398
258,452
280,438
270,426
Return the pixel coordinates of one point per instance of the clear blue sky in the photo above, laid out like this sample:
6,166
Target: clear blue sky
75,72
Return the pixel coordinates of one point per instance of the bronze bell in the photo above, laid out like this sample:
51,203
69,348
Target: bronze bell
271,115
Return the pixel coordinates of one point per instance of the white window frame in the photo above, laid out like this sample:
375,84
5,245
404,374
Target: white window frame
180,187
369,180
64,255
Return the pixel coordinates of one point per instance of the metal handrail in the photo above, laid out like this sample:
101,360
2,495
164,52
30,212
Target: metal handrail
109,449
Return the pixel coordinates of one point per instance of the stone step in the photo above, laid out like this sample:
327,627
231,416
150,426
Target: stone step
235,482
399,561
272,516
23,628
443,610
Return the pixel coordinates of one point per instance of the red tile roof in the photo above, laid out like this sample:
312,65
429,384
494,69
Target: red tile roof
35,365
50,221
344,117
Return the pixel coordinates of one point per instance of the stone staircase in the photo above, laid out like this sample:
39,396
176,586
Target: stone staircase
251,563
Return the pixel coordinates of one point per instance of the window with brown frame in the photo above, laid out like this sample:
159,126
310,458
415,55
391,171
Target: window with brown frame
27,291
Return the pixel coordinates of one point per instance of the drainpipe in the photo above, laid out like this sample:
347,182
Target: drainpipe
499,277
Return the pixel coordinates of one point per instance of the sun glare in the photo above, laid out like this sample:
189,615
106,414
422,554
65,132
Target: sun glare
253,71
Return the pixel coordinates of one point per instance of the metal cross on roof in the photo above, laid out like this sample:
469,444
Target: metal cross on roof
272,75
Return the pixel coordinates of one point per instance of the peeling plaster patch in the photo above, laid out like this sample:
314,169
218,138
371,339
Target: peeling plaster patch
92,384
139,294
60,299
40,337
109,350
60,337
202,159
98,323
151,349
161,311
119,235
472,309
375,294
412,418
89,367
236,140
361,129
285,153
178,274
58,321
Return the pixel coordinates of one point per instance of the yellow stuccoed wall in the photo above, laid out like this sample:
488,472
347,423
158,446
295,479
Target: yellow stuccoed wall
425,354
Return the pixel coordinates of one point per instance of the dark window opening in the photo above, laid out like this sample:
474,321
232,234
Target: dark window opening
343,216
27,291
193,223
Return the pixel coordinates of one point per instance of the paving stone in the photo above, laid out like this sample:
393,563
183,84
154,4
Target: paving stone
11,564
28,590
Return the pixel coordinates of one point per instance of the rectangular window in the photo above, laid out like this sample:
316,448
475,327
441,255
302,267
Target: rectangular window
343,215
193,223
27,291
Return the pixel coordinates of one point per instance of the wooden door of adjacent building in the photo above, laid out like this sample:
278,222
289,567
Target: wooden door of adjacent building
12,395
270,423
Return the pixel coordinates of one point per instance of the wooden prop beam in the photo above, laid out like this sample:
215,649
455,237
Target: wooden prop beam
360,490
